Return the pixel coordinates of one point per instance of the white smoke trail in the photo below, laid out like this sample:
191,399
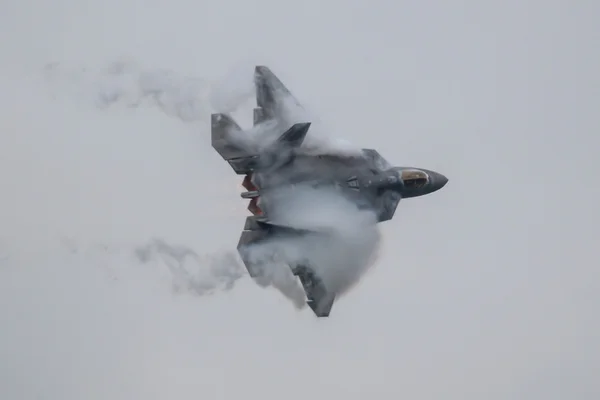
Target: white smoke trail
190,99
192,272
188,271
128,84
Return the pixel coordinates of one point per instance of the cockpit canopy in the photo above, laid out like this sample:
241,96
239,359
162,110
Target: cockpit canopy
414,178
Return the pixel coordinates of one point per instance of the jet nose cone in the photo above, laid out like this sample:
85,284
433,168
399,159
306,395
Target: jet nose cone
442,180
438,180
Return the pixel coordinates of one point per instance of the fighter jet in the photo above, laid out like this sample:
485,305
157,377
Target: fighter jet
367,179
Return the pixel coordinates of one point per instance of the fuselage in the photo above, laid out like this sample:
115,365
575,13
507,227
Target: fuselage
359,178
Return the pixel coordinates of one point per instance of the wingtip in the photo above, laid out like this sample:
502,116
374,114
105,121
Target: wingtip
260,70
317,310
263,72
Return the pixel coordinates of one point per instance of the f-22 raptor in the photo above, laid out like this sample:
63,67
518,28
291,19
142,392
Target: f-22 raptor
368,179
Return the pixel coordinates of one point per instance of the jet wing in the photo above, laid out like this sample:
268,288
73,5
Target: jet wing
273,100
257,229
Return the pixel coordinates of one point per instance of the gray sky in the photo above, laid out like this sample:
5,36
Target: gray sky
485,289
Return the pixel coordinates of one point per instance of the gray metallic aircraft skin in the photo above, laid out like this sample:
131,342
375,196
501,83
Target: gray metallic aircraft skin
368,180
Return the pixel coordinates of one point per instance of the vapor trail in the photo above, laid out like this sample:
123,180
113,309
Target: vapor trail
188,98
346,239
198,274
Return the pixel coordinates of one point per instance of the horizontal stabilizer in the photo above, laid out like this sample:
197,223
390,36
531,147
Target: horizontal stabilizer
222,129
244,165
255,223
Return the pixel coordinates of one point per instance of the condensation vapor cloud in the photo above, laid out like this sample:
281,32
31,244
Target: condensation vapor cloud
127,84
346,240
341,249
192,272
188,271
189,98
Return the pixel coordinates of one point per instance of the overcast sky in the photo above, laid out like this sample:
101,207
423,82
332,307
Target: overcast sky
488,288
